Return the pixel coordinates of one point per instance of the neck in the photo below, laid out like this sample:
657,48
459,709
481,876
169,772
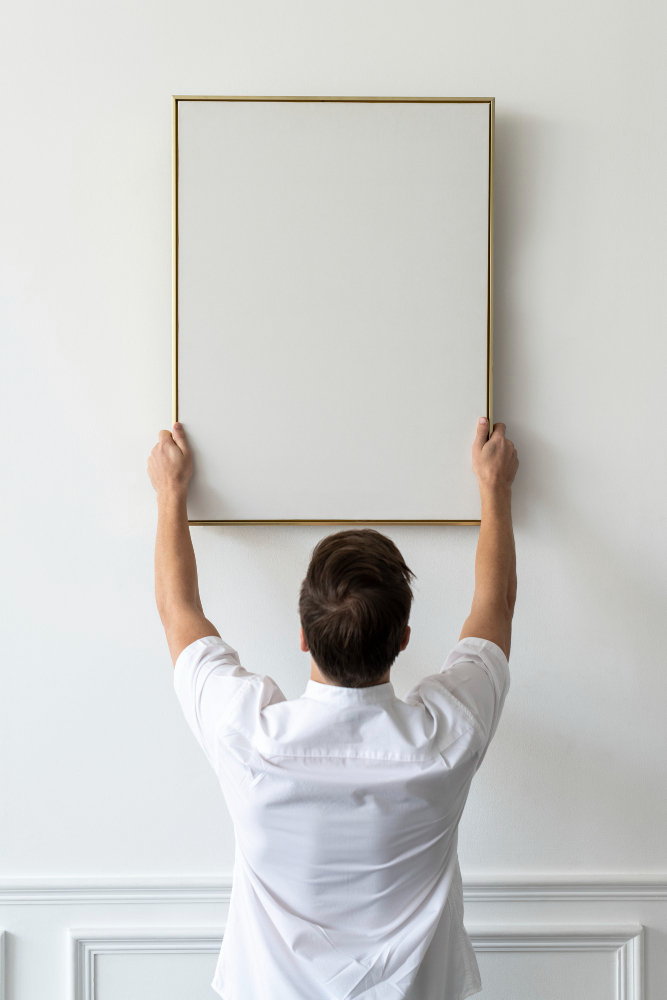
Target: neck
317,675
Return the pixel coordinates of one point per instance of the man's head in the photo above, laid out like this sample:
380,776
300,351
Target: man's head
354,605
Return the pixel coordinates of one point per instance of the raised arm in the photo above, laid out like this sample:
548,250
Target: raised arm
176,585
494,462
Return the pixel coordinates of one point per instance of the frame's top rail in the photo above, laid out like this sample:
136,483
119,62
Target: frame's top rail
385,100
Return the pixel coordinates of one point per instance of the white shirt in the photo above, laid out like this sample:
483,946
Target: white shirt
346,805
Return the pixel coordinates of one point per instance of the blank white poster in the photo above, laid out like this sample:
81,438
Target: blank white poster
333,306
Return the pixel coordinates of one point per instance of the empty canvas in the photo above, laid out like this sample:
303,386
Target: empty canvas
333,316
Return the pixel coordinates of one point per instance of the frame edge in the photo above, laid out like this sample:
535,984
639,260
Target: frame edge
174,259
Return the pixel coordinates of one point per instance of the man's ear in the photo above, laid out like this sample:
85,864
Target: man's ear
406,638
302,642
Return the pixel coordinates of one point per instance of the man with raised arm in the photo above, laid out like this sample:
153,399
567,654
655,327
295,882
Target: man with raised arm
346,801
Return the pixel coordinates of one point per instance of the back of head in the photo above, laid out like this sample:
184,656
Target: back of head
354,605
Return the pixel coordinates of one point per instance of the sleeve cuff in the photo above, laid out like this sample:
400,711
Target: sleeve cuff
492,652
196,648
493,648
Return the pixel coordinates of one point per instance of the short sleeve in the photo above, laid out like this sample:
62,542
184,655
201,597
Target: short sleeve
476,676
209,682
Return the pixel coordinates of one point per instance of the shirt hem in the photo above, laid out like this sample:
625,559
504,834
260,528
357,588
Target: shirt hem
468,991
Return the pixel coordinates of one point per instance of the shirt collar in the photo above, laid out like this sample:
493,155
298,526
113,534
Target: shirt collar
337,694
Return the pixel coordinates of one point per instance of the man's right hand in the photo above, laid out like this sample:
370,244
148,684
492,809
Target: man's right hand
494,459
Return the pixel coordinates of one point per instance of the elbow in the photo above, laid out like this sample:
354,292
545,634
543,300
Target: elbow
165,612
511,599
171,608
162,611
162,603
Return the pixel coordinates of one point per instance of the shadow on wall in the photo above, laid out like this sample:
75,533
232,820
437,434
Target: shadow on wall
523,145
557,491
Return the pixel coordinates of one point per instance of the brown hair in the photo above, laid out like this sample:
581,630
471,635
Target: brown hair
354,605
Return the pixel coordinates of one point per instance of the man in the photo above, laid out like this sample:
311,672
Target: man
346,802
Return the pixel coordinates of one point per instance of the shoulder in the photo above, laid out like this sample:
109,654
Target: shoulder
469,689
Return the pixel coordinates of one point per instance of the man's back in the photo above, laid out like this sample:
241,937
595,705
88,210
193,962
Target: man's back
346,804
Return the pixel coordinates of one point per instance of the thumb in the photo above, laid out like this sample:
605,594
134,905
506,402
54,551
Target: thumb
482,434
178,435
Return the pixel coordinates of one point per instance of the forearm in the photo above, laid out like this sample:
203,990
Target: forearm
176,582
495,573
494,462
176,585
495,559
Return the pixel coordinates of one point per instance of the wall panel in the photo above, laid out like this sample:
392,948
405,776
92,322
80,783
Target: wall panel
142,940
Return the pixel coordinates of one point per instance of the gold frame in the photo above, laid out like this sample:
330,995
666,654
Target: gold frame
489,325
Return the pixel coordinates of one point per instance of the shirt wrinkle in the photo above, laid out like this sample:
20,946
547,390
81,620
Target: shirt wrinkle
452,697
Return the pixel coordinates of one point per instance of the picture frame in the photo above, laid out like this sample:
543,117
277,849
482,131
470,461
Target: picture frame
201,513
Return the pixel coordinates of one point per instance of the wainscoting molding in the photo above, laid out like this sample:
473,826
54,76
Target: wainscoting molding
624,942
572,919
86,944
544,888
3,965
554,888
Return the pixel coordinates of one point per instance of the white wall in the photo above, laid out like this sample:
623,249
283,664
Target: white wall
99,776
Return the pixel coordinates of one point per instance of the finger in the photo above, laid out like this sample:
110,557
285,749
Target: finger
163,436
482,434
499,429
180,438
